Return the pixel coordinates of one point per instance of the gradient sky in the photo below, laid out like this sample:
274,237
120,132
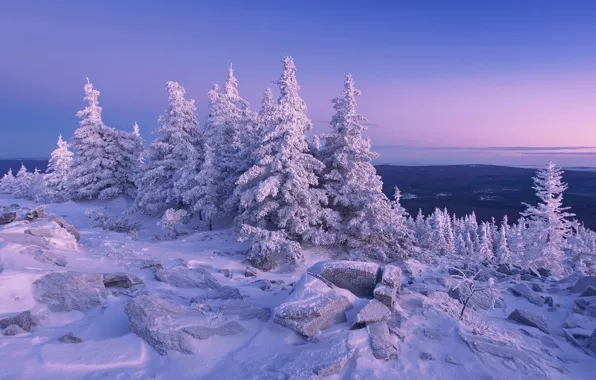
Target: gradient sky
503,82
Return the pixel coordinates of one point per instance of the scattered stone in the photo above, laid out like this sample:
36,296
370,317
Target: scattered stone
544,272
394,323
589,292
582,283
531,271
152,319
203,332
529,318
426,356
71,338
374,311
505,269
36,213
13,330
22,320
221,293
433,334
336,363
391,276
262,284
250,272
66,291
183,277
571,340
360,278
226,272
120,280
8,217
592,342
385,294
523,290
246,310
537,288
311,307
423,289
381,342
586,306
527,277
155,238
549,301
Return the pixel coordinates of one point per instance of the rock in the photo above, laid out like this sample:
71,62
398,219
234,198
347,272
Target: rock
523,290
527,277
44,256
551,309
152,319
36,213
548,341
571,340
120,280
391,276
537,288
433,334
24,239
549,301
226,272
505,269
250,272
7,217
66,291
311,307
589,292
529,318
334,364
587,305
263,284
454,272
246,310
13,330
385,294
460,293
203,332
426,356
41,232
381,342
592,342
23,320
183,277
71,338
582,283
423,289
358,277
222,293
450,360
68,227
544,272
531,271
374,311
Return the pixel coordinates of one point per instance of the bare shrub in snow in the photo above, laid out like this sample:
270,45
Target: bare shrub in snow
172,219
110,223
474,293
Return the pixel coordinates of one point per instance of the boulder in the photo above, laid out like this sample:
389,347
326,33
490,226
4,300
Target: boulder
587,305
391,276
183,277
246,310
537,288
582,283
41,232
374,311
381,342
24,239
66,291
311,307
334,360
7,217
505,269
250,272
71,339
226,272
544,272
426,356
262,284
13,330
589,292
44,255
23,320
36,213
459,293
152,318
385,294
523,290
68,227
222,293
204,332
120,280
423,289
548,300
358,277
592,342
529,318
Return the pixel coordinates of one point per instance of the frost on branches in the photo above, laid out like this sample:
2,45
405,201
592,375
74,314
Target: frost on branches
278,192
172,219
548,224
171,159
203,197
22,185
7,183
132,147
56,178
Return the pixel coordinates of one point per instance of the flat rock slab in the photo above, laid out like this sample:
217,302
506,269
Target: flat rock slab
13,330
582,283
184,277
246,310
204,332
7,217
152,318
311,307
523,290
44,255
358,277
23,320
592,342
391,276
68,227
529,318
24,239
71,339
381,341
385,294
221,293
66,291
374,311
120,280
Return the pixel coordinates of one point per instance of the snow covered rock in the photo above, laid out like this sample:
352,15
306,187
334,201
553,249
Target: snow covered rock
23,320
374,311
13,330
529,318
65,291
70,338
120,280
222,293
41,232
381,342
44,255
582,283
391,276
184,277
246,310
311,307
152,319
250,272
36,213
7,217
24,239
204,332
68,227
358,277
592,342
587,305
523,290
589,292
385,294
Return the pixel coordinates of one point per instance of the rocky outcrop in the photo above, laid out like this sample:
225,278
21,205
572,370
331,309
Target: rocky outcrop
120,280
374,311
381,342
68,227
221,293
529,318
44,255
523,290
582,283
66,291
592,342
23,320
13,330
183,277
7,217
358,277
245,310
589,292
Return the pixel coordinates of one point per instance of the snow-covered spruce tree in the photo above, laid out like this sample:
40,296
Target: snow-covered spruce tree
56,178
365,225
22,185
503,253
171,160
97,169
131,144
548,223
485,245
7,183
37,189
203,197
278,194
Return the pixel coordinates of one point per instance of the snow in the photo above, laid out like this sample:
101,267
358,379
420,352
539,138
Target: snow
430,342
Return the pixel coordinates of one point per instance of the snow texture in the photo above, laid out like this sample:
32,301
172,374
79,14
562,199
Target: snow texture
66,291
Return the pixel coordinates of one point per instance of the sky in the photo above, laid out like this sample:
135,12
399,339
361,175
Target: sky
443,82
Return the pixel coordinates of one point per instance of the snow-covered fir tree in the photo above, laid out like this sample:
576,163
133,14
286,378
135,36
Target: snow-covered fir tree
56,178
132,145
22,185
549,226
203,196
7,183
503,252
171,161
485,245
279,192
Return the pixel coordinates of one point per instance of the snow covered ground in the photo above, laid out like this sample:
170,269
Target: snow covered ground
431,342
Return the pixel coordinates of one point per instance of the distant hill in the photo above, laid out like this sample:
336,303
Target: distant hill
15,164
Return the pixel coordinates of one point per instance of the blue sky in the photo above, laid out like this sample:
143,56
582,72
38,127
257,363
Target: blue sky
441,80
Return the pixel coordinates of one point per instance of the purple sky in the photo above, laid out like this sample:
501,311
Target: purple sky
441,81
